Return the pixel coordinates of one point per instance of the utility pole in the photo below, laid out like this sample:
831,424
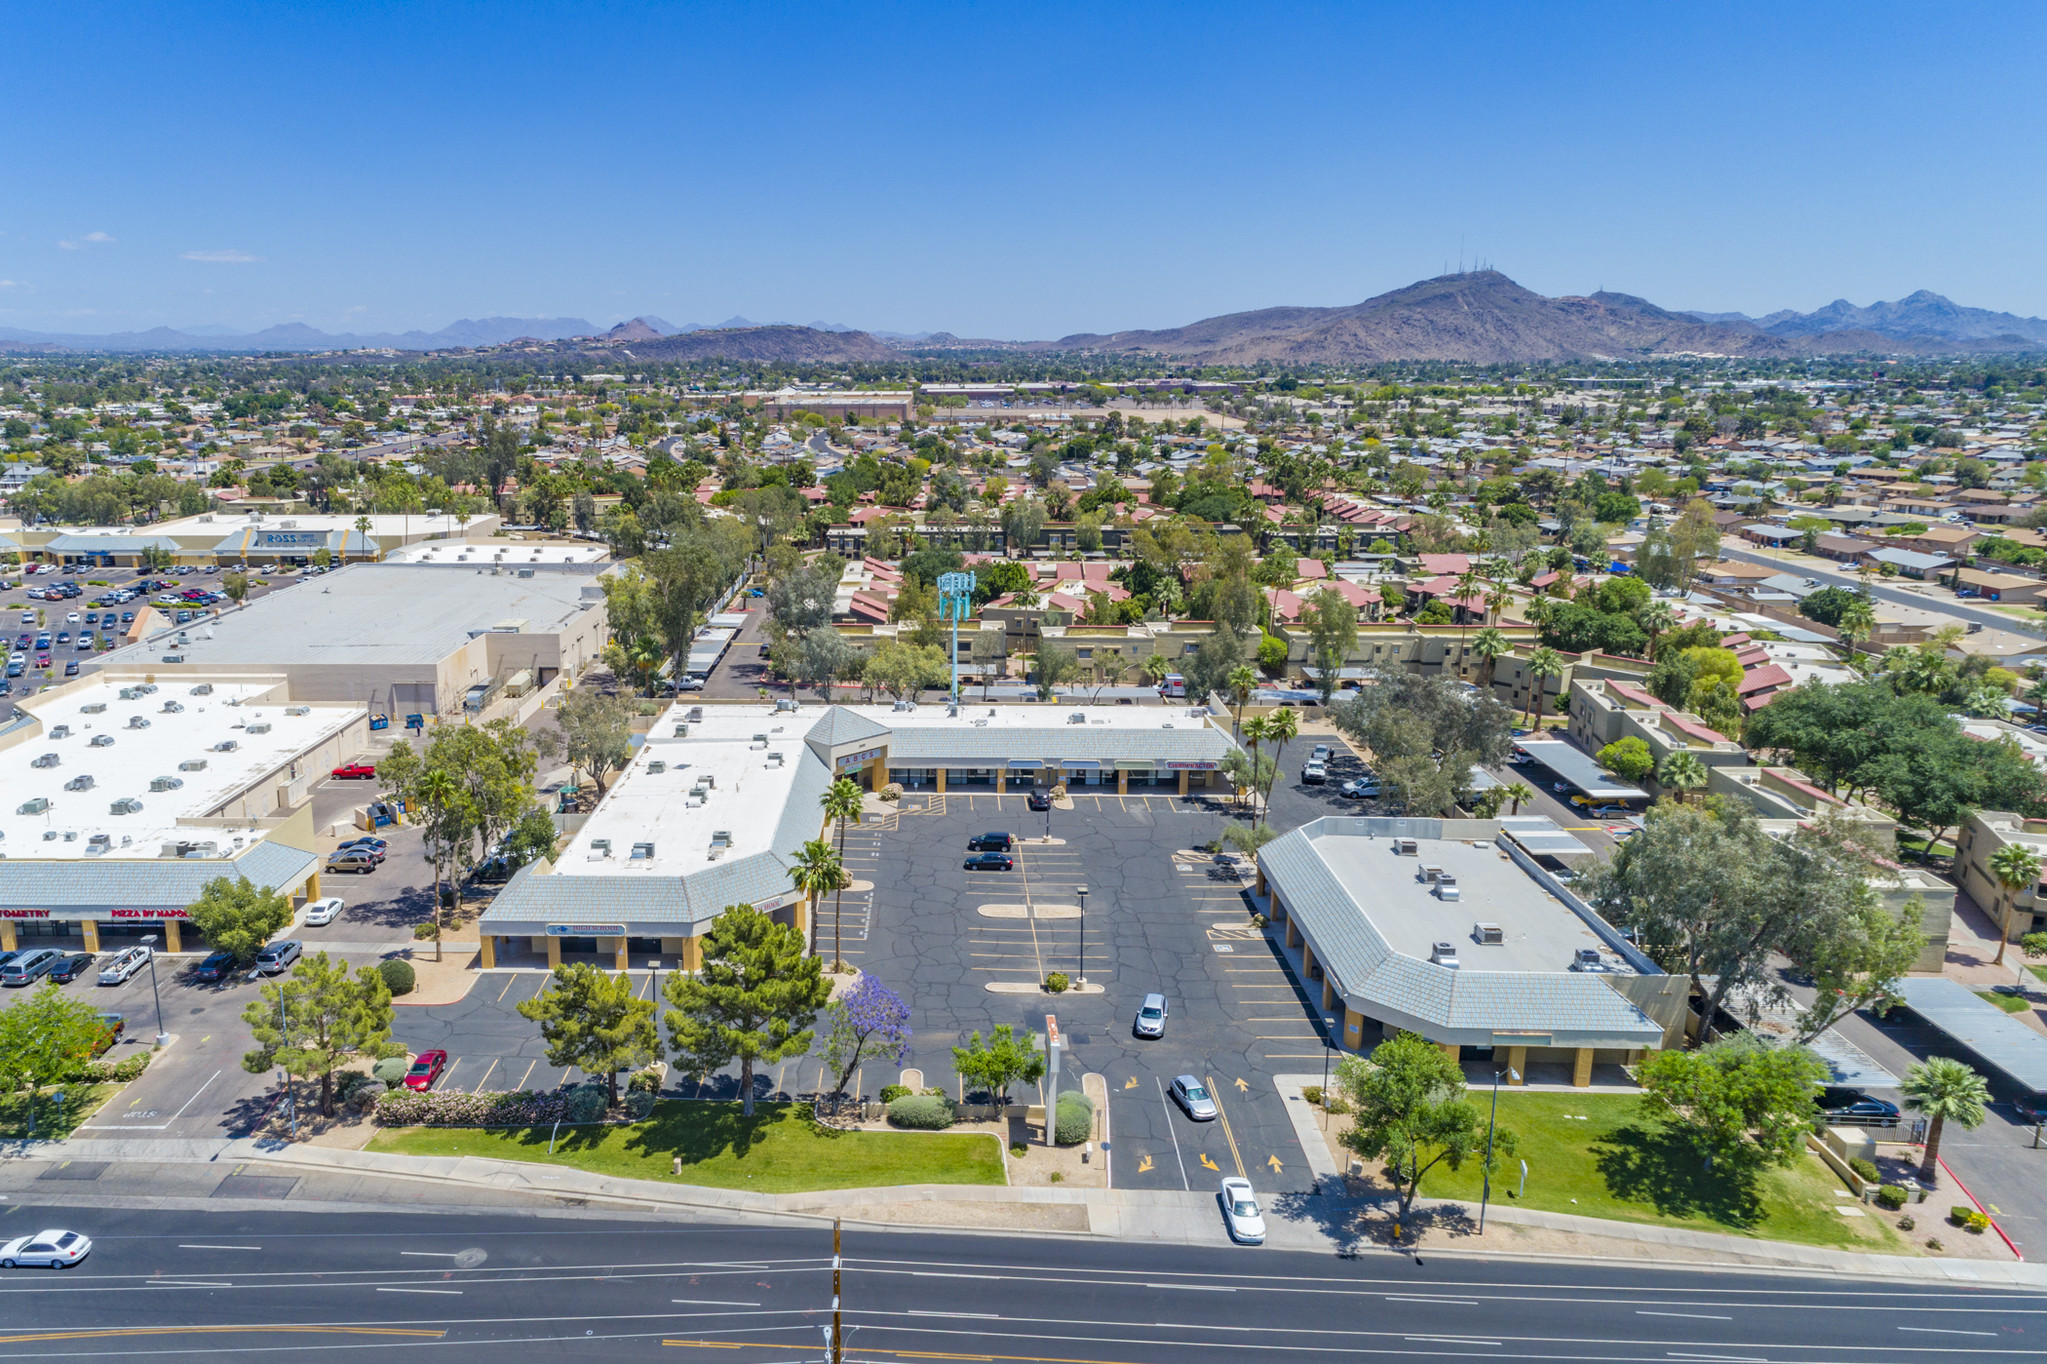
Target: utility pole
838,1336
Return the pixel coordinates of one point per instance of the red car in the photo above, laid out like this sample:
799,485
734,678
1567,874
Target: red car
356,770
426,1068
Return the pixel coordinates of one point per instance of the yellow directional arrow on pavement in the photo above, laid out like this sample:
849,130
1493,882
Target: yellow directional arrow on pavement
1209,1163
1130,1083
1144,1165
1242,1088
1273,1161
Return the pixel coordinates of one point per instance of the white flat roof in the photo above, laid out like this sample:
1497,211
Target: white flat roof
136,756
483,553
744,798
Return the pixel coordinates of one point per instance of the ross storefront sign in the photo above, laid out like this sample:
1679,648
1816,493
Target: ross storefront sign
586,930
147,914
24,913
859,759
1172,765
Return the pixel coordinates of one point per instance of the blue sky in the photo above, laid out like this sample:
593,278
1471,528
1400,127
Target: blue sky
1010,171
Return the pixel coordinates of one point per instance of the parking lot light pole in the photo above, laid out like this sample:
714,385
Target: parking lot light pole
163,1039
1081,979
1486,1171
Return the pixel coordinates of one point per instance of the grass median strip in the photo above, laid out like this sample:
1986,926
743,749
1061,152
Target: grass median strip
778,1150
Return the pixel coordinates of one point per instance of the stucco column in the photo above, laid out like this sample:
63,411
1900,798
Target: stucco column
1517,1061
1122,783
1183,781
621,954
692,954
490,952
1293,932
799,916
172,939
1328,993
1453,1051
1353,1029
1261,879
1581,1073
554,952
1308,960
941,781
1001,782
8,942
90,928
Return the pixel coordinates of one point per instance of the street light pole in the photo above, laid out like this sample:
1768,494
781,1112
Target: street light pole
162,1038
1081,979
1486,1187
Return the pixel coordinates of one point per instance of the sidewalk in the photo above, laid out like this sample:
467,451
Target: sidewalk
1319,1222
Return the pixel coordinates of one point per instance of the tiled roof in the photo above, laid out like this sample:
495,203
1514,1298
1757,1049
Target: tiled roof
841,726
89,884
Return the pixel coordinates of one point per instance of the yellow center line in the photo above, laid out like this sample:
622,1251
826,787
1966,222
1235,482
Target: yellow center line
1216,1097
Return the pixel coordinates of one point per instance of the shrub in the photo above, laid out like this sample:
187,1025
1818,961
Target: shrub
586,1103
1057,982
391,1070
1907,1222
107,1072
1933,1243
1864,1168
1075,1121
646,1081
890,1093
414,1108
925,1112
893,791
1312,1093
1891,1196
398,975
639,1103
1968,1219
1057,1175
1019,1150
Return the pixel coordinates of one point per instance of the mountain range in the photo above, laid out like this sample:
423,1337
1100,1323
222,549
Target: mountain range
1478,317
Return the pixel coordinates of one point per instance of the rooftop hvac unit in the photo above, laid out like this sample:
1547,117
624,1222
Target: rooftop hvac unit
774,759
721,838
1488,935
290,710
203,689
174,658
61,732
695,713
128,694
227,746
600,849
656,767
1406,847
682,730
258,727
1447,889
192,765
138,722
172,707
643,852
1078,717
1428,872
46,760
93,708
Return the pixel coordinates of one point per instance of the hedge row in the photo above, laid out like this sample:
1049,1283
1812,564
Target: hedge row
523,1108
927,1112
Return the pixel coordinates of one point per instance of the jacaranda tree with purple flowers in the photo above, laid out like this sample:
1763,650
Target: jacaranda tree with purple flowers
869,1021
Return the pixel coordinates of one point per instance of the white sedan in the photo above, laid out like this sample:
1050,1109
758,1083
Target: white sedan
322,912
54,1249
1240,1211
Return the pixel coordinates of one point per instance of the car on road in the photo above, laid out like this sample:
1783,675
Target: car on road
993,841
1039,800
990,861
276,958
324,911
1843,1105
54,1249
1151,1017
30,966
74,965
1240,1211
1192,1096
426,1068
217,966
358,860
123,964
356,771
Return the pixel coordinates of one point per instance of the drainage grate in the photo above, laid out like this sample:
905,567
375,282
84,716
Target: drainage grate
256,1186
76,1169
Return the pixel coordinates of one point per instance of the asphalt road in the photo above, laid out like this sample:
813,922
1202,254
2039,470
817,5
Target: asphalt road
173,1284
1947,605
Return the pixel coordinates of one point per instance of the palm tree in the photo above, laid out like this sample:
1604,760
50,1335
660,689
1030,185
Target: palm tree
1256,729
1656,618
1517,791
1682,773
842,801
1467,586
1280,726
1857,623
1490,644
1944,1089
1543,662
362,524
1241,681
816,869
2015,867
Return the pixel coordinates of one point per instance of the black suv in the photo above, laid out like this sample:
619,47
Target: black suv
217,966
991,842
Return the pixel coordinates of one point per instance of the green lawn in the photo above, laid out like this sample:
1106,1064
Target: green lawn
2011,1004
1615,1166
778,1150
52,1120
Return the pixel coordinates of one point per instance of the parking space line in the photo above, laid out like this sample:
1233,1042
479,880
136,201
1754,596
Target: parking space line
508,986
486,1076
1185,1183
448,1075
528,1074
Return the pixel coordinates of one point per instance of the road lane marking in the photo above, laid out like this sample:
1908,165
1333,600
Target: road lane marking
1228,1135
1184,1181
1696,1316
433,1254
1461,1340
452,1292
1447,1302
105,1332
192,1247
1209,1163
1939,1331
712,1302
1197,1287
977,1316
1144,1165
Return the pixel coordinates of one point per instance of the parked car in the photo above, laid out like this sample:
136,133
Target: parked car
990,861
1151,1017
123,964
1360,788
1192,1096
276,958
1240,1211
356,771
217,966
114,1025
1314,774
324,911
1845,1106
1320,754
994,841
31,966
376,848
426,1068
1039,800
361,861
73,966
52,1249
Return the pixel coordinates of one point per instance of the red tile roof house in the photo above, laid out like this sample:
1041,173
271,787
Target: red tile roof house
1758,685
1451,564
1310,568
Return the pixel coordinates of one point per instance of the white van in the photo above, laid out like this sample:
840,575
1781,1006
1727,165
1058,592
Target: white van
1174,685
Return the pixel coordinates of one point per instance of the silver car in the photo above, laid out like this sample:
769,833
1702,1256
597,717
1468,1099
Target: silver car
276,958
1151,1017
1192,1096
